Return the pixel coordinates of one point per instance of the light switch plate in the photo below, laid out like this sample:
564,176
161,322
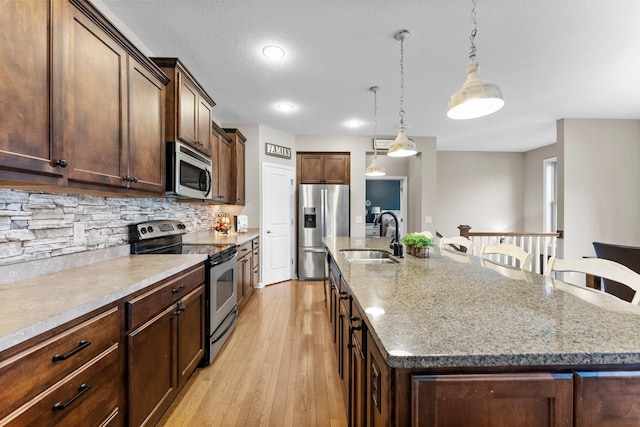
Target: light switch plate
428,219
358,219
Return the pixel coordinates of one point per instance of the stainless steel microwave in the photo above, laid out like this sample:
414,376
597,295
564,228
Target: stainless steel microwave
188,173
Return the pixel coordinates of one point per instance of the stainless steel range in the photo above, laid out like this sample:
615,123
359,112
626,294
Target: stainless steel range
221,288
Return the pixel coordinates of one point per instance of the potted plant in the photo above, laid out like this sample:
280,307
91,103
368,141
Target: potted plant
418,244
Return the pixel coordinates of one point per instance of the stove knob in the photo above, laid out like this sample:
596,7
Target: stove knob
143,230
150,229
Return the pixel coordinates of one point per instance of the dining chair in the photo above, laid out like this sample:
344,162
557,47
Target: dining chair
599,267
459,241
511,252
629,256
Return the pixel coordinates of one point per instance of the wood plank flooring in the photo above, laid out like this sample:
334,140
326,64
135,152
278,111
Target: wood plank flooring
278,368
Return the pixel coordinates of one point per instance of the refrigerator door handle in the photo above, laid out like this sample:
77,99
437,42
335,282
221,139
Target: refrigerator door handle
323,210
314,250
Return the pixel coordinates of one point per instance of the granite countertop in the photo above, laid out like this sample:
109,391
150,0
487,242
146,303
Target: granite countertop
456,311
215,238
36,305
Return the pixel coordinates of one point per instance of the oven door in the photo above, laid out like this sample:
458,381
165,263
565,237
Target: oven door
223,292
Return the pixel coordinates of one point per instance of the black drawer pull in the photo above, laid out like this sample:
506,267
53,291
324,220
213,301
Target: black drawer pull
81,345
356,327
178,289
354,318
81,390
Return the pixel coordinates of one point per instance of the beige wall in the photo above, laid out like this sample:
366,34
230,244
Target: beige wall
481,189
600,200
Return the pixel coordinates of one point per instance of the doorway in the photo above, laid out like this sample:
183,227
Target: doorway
386,193
276,232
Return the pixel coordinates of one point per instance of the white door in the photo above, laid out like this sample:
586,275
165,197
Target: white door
277,223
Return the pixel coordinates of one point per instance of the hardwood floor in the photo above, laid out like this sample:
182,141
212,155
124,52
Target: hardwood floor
278,368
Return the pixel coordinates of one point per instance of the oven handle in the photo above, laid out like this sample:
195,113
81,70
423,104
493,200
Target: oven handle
221,261
229,326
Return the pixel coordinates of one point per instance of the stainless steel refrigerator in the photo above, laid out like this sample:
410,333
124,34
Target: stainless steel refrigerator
323,211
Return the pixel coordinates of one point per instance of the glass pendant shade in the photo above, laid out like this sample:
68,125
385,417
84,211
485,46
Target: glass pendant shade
476,98
374,169
402,146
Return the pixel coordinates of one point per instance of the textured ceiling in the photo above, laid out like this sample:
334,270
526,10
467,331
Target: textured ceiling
552,59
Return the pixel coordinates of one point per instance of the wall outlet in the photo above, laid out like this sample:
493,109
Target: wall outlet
358,219
428,219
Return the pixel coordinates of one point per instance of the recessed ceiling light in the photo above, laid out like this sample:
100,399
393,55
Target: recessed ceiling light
273,52
285,107
354,123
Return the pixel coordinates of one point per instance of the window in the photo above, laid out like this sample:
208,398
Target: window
550,195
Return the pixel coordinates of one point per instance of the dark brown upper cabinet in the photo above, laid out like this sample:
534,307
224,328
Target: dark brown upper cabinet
237,163
323,168
188,107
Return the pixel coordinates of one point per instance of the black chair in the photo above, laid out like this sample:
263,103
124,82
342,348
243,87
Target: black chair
629,256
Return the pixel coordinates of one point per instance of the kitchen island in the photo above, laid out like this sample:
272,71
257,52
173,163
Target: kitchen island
439,334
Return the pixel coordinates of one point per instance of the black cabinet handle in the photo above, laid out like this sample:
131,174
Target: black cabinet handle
134,179
356,327
81,345
62,163
178,289
354,318
81,390
126,178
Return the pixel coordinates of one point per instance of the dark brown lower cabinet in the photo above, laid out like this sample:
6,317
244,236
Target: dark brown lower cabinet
163,352
528,399
607,399
357,383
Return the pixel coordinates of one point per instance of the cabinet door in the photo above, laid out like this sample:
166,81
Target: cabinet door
152,368
25,142
535,399
357,389
95,108
188,109
146,130
345,344
190,333
607,399
224,156
378,394
311,171
336,169
204,126
239,151
215,164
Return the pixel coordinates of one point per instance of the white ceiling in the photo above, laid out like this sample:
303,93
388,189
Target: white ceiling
552,59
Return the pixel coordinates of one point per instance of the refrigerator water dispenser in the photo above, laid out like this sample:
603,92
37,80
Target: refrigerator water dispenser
309,217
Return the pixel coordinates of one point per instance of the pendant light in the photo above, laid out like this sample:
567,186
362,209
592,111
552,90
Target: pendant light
402,146
476,98
374,169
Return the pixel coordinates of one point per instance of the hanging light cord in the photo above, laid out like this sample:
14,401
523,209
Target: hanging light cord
474,31
402,80
375,120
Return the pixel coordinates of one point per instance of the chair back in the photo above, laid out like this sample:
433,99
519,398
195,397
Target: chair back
599,267
629,256
461,242
515,252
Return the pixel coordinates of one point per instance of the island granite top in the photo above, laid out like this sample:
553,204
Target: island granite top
453,310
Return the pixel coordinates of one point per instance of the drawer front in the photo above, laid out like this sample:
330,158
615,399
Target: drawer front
255,260
147,305
87,397
244,249
28,373
256,243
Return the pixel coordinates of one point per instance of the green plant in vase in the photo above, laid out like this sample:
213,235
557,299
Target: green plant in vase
418,244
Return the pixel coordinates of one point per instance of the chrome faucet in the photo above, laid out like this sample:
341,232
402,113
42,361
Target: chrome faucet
395,242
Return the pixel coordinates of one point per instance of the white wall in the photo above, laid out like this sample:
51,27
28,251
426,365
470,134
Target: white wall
600,200
481,189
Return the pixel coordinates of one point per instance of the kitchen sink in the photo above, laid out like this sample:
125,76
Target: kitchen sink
368,256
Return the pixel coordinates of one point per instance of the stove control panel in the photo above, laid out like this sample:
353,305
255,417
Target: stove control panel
158,228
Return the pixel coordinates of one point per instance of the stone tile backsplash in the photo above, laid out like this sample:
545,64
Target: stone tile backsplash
35,225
